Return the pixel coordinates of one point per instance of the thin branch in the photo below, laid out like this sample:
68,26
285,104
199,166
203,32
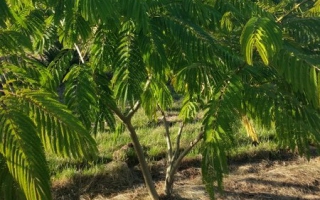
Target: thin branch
167,134
186,151
178,139
191,145
118,112
134,109
290,11
79,53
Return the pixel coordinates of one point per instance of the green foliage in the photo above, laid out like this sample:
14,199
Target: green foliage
129,69
302,72
214,165
58,66
314,10
158,95
5,13
80,94
93,11
23,153
66,67
105,100
262,34
13,41
189,109
47,113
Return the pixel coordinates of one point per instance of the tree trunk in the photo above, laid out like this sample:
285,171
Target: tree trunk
172,168
168,186
143,164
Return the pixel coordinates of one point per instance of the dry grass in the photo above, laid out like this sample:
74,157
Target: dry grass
116,177
293,179
261,172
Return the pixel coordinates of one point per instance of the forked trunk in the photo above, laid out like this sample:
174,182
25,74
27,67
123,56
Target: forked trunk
174,163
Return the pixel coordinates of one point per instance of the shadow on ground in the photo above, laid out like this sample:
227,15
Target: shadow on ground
291,178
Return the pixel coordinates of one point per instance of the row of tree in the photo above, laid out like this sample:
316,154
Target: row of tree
69,67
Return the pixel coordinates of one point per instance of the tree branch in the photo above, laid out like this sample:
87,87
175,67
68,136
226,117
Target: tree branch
167,134
134,109
186,151
79,53
290,11
118,112
178,140
191,145
143,164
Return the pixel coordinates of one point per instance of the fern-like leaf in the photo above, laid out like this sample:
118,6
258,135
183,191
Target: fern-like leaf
5,13
31,23
103,51
303,30
59,66
9,189
249,128
129,69
196,78
13,41
105,103
156,95
60,131
94,11
189,109
23,152
314,11
302,72
75,27
277,105
137,11
80,94
262,34
217,141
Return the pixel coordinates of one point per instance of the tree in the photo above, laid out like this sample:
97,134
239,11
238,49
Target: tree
67,67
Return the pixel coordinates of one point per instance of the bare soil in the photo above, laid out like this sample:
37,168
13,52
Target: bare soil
288,178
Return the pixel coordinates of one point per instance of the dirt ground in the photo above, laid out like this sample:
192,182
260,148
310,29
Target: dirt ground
285,179
295,179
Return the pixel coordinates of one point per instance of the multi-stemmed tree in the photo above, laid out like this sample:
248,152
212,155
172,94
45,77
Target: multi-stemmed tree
67,67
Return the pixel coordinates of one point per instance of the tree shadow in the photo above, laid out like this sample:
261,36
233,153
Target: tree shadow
108,184
307,189
302,187
256,195
90,186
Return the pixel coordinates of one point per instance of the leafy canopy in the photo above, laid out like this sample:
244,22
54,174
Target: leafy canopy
66,67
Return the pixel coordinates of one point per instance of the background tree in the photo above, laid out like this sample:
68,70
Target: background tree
32,120
67,67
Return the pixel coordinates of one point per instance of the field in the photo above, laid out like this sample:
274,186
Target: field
264,171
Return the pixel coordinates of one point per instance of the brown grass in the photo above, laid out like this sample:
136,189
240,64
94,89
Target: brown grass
289,179
295,179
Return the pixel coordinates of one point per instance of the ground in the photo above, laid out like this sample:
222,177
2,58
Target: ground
288,178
